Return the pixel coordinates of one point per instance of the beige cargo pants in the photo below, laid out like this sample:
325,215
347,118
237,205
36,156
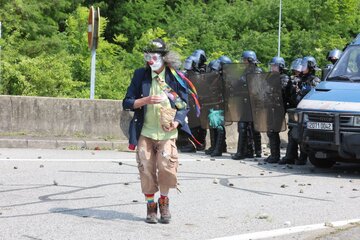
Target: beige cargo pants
157,163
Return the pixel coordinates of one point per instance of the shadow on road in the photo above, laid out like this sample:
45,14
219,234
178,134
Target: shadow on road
97,214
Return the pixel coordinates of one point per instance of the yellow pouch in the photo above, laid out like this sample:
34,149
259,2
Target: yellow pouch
167,116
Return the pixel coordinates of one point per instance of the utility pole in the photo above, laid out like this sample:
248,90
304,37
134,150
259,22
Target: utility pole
0,54
279,37
93,40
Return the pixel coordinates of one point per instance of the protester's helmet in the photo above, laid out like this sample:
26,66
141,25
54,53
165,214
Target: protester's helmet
156,46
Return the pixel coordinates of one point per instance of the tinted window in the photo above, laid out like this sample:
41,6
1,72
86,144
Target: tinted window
348,66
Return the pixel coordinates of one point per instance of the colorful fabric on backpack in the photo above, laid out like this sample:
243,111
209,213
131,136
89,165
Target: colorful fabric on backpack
181,78
171,94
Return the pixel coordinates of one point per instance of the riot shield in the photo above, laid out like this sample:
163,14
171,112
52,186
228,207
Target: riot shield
236,94
266,101
209,89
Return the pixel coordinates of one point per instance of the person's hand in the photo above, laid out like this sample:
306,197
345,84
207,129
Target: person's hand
154,99
173,125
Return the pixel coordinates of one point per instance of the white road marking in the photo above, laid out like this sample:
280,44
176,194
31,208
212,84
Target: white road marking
102,159
286,231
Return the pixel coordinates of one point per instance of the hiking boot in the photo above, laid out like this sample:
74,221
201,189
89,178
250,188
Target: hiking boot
165,215
151,213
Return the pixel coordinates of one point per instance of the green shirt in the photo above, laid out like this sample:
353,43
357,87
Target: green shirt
152,127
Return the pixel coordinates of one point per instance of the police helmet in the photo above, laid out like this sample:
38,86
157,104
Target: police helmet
200,57
189,63
279,61
224,59
309,62
215,65
250,56
296,65
334,55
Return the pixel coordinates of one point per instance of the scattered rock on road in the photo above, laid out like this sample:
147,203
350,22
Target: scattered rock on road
287,223
263,216
328,224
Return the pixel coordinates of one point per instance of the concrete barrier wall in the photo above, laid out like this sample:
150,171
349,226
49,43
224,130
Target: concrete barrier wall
60,117
80,118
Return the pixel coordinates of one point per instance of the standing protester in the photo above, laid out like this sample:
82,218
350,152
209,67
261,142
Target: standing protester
277,64
194,64
248,137
216,117
290,98
155,90
307,82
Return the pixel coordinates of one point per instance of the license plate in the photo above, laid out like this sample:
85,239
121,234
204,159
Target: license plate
319,125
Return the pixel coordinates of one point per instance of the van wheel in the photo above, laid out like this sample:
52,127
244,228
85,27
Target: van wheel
320,162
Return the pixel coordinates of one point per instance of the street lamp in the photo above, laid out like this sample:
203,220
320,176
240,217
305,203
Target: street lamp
0,54
279,40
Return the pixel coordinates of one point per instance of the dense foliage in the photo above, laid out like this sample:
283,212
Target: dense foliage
44,43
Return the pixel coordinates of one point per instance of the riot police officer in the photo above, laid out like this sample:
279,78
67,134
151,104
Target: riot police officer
248,137
308,81
277,64
217,130
290,100
332,57
196,63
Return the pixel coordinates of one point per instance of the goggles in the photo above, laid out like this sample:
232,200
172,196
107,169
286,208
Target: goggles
151,57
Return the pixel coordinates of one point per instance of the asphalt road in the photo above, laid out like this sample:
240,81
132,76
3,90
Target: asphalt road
58,194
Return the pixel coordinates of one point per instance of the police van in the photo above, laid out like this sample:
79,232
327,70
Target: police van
326,122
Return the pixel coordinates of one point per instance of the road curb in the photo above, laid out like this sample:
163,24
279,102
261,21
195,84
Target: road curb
67,144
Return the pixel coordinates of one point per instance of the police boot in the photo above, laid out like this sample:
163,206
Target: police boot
250,143
201,137
291,151
242,145
302,159
257,143
189,147
213,134
219,142
224,145
274,141
250,148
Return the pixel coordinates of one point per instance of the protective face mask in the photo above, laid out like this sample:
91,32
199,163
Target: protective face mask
154,60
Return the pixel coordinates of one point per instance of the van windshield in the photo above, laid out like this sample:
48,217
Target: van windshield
347,67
